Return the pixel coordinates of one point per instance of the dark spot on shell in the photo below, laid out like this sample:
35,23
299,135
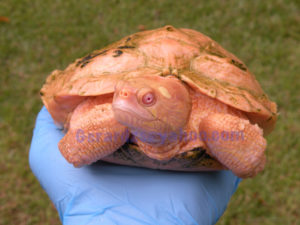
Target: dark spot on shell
78,62
101,53
117,53
41,93
128,39
125,46
239,65
270,118
53,77
88,57
170,28
84,64
85,60
216,53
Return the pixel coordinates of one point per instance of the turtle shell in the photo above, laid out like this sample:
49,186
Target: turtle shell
191,56
194,58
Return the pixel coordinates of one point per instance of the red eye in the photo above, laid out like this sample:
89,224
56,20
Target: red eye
148,99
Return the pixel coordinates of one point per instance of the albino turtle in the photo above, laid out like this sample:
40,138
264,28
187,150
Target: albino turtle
166,98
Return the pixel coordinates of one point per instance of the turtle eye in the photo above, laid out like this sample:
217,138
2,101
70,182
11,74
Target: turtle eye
148,98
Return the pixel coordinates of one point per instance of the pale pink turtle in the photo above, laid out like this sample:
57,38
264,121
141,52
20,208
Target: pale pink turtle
166,98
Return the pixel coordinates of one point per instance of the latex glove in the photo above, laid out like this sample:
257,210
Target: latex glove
107,194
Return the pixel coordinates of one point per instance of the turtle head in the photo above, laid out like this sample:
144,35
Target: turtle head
151,105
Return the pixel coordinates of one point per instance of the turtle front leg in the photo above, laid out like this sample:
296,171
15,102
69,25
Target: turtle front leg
93,132
235,142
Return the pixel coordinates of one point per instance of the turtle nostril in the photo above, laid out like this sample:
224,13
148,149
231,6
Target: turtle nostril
123,93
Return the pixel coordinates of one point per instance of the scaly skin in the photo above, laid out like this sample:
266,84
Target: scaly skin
93,133
242,146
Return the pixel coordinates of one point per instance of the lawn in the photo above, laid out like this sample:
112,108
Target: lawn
41,36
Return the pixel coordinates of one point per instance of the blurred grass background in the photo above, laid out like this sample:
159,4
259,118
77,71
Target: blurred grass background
41,36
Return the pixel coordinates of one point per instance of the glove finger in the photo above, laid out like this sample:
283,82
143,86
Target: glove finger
45,160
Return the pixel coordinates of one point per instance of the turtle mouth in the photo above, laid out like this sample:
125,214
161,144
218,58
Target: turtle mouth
131,119
124,112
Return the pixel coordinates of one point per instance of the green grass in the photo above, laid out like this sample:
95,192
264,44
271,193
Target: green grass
44,35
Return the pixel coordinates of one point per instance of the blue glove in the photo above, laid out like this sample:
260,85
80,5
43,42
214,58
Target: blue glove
108,194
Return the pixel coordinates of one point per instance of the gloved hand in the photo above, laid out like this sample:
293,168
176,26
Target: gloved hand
108,194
